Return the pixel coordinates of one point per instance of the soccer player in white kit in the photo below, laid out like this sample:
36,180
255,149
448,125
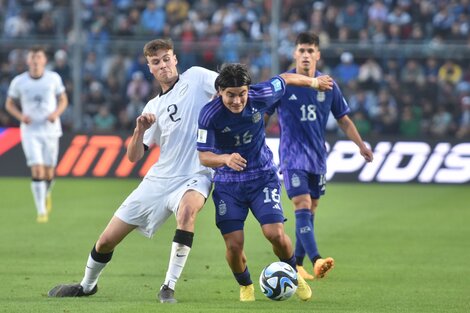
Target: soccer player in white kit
37,99
177,184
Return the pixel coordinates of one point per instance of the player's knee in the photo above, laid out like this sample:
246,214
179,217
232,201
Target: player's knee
234,247
186,216
105,244
276,237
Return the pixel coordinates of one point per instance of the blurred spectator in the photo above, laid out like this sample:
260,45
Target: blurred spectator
370,74
138,88
61,65
363,125
441,122
153,19
450,72
464,119
104,121
410,123
347,70
18,25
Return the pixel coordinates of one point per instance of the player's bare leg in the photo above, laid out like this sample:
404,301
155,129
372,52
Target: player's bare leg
191,203
99,257
236,260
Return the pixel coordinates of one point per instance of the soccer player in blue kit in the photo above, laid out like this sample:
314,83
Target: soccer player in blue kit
303,113
231,139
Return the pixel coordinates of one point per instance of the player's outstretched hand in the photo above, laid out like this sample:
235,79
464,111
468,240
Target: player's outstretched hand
235,162
325,82
367,154
145,120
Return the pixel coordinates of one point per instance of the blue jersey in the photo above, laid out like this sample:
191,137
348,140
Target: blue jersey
303,113
223,132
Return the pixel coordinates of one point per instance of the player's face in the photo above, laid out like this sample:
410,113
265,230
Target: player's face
306,57
36,63
163,66
234,98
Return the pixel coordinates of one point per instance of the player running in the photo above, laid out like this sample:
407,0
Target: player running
231,139
37,99
303,113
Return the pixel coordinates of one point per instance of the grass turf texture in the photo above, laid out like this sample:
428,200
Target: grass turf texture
398,248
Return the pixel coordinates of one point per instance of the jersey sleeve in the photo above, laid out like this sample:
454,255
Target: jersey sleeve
205,132
339,106
206,78
268,92
13,91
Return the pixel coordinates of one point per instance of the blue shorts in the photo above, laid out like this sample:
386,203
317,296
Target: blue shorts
298,182
233,200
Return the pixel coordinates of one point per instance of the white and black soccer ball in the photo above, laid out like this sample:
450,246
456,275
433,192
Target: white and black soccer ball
278,281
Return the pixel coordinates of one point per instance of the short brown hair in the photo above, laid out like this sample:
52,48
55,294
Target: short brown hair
35,49
151,47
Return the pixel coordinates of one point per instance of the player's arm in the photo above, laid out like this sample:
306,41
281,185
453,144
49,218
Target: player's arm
350,130
135,149
62,103
12,108
211,159
322,83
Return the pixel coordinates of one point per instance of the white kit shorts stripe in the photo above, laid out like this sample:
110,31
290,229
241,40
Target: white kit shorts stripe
155,199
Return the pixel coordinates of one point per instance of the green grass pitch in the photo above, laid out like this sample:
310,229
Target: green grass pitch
398,248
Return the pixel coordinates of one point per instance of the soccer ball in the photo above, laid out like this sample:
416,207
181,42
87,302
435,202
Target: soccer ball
278,281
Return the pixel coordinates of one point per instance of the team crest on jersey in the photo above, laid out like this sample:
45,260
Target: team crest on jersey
184,89
256,117
295,181
320,96
222,208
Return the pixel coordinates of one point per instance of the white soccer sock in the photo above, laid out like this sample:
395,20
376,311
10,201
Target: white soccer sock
179,255
39,190
92,272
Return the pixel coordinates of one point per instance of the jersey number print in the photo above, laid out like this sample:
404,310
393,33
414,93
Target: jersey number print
173,109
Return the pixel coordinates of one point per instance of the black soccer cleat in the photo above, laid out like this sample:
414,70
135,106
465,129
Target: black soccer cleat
75,290
166,295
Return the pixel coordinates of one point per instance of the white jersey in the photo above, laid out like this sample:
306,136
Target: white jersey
175,129
38,99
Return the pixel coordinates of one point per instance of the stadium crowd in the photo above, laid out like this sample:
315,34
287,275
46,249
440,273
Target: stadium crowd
426,95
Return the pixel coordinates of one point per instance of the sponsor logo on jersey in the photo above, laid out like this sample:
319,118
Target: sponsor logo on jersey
293,97
277,85
202,135
295,181
256,117
226,130
222,208
320,96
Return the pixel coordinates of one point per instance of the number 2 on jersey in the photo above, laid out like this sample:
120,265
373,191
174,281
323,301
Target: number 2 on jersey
172,109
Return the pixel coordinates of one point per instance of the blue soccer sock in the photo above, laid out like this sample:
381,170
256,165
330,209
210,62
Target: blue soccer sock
299,249
244,278
305,232
290,261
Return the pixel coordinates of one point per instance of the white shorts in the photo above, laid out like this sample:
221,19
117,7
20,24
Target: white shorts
40,150
155,199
